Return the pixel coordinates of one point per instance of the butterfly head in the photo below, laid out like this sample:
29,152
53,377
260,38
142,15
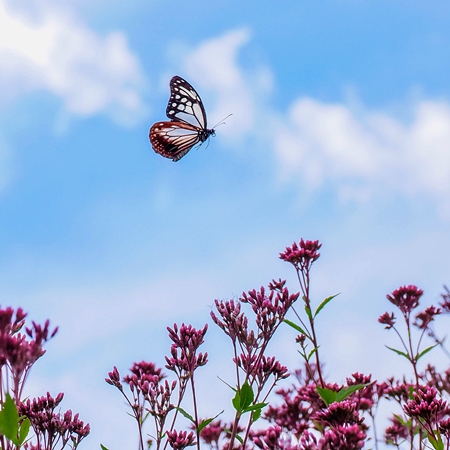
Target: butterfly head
206,134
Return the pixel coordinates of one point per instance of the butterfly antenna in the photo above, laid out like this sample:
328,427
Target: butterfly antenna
221,122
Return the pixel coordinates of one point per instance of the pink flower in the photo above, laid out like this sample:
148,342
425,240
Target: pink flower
406,298
303,254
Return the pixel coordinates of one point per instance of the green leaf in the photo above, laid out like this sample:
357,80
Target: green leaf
103,447
255,407
225,430
399,352
311,353
402,420
9,420
321,306
327,395
231,387
436,443
346,391
247,396
423,352
24,430
297,328
256,414
308,311
206,422
236,401
185,414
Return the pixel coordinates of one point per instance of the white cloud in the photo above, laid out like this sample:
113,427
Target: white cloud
366,154
214,65
59,54
360,154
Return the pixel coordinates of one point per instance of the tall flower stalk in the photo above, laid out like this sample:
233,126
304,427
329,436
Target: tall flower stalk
302,256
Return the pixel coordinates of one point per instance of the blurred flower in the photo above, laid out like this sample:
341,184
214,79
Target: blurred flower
387,319
397,432
445,304
424,318
339,413
406,298
179,440
426,407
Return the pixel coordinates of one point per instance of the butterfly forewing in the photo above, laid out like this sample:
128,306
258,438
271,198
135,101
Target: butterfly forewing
173,139
185,104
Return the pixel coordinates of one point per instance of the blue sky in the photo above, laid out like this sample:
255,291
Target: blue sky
340,132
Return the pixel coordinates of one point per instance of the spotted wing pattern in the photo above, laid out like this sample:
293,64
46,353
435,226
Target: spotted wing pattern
185,105
188,125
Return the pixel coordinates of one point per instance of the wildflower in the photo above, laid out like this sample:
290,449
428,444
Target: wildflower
340,413
270,308
7,324
267,439
425,406
234,322
364,397
51,427
387,319
343,438
18,352
444,427
308,441
397,432
302,255
262,368
406,298
186,342
294,414
398,391
212,433
143,374
439,380
158,397
179,440
424,318
114,379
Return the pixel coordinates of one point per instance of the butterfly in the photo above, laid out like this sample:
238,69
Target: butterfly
187,126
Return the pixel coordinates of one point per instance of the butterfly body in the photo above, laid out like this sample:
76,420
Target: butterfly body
188,124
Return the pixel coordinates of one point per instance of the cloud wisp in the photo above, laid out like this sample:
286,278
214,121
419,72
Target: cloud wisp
361,155
364,154
214,65
57,53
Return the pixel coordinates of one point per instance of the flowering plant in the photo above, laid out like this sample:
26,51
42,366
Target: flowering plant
313,413
18,353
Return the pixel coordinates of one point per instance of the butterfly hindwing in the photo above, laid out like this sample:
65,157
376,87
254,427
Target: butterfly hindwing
188,125
173,139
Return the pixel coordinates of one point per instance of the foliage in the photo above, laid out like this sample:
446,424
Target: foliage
313,413
18,353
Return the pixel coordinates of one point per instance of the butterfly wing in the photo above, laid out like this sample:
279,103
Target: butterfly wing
173,139
185,105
